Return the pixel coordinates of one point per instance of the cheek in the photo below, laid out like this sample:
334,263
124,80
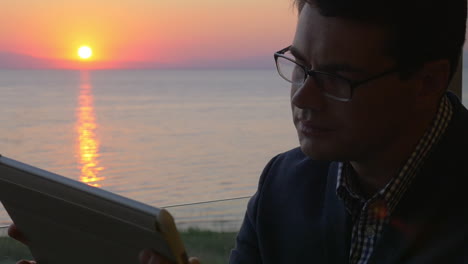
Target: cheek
293,90
293,108
384,100
378,117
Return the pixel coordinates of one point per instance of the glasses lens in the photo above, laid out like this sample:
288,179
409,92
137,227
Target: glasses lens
290,71
333,86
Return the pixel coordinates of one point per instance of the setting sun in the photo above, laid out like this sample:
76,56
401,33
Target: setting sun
85,52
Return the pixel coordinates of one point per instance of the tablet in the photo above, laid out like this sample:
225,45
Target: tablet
66,221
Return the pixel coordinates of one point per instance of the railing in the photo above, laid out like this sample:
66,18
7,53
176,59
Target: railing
208,230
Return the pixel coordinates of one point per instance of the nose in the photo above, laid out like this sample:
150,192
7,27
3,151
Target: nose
308,95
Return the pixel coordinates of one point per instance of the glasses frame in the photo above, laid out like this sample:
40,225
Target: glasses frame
310,72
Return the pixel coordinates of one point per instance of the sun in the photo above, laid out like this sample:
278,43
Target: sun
85,52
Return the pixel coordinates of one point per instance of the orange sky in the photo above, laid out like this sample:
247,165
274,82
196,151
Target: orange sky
146,30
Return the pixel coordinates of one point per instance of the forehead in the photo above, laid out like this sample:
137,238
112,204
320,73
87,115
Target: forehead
332,40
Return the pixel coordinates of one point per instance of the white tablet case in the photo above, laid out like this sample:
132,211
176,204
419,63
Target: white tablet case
67,221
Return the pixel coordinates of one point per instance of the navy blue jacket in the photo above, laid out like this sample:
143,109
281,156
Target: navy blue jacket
296,217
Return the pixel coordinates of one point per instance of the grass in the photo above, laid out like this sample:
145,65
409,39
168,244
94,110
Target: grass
11,251
210,247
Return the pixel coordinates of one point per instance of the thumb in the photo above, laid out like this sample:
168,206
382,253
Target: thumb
193,260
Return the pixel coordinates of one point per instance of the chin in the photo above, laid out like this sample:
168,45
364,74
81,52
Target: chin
320,150
317,155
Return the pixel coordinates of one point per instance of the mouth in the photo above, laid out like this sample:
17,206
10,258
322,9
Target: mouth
309,128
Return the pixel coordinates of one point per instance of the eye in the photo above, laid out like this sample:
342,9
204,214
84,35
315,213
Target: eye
297,74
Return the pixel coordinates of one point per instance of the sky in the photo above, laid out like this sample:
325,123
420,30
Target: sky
133,33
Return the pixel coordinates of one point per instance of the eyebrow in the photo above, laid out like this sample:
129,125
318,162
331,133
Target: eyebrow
296,53
329,67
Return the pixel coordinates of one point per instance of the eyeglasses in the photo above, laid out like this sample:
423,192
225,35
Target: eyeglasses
331,85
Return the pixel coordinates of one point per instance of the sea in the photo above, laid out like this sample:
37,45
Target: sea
191,141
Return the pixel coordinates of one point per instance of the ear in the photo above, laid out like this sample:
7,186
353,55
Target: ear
435,79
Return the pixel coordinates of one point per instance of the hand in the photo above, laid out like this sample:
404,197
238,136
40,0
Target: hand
147,256
14,233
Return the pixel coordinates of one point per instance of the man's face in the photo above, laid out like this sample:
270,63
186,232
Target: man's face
380,111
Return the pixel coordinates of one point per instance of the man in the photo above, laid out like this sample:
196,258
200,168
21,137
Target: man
381,172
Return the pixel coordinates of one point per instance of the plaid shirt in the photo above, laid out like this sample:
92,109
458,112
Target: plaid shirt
370,216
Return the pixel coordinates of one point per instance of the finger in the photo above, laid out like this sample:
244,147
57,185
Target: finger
194,260
16,234
145,256
26,262
148,256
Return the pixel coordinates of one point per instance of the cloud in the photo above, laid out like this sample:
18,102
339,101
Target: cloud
21,61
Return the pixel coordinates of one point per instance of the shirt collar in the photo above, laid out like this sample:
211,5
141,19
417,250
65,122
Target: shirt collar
392,192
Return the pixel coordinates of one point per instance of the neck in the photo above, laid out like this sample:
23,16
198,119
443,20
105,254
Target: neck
377,169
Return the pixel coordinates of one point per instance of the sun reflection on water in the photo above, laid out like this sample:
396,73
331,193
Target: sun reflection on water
88,143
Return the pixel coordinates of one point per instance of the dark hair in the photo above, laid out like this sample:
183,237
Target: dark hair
420,30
